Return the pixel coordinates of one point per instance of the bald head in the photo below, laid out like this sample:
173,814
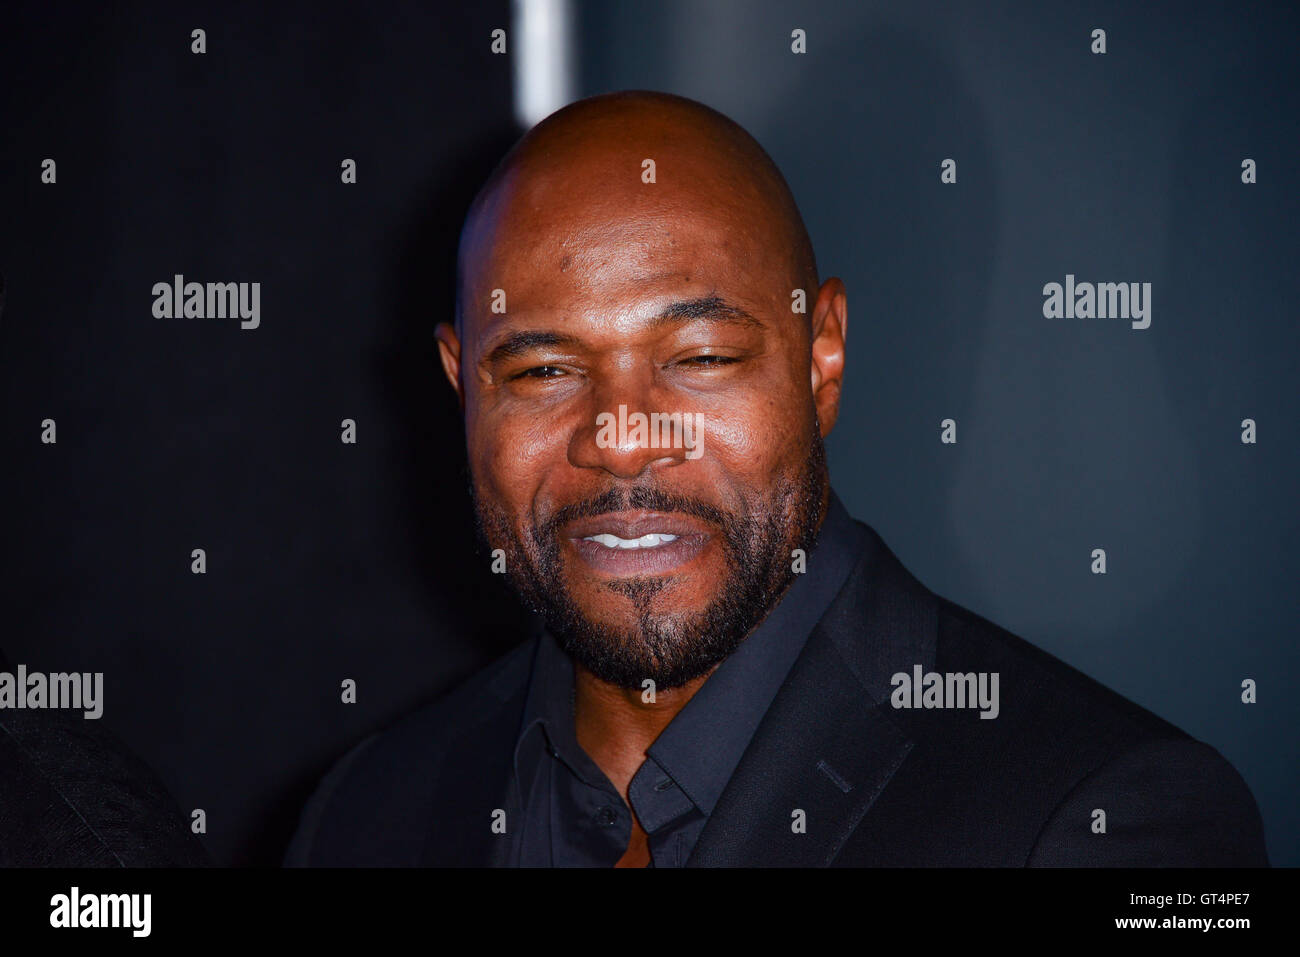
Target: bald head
647,367
588,162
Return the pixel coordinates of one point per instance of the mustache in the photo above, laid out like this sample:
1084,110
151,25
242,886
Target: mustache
640,498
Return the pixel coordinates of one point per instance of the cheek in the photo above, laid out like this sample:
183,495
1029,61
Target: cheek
757,437
510,456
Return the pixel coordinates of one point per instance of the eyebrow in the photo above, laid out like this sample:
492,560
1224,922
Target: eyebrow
703,308
710,308
518,343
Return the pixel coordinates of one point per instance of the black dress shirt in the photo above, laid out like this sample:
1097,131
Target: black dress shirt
572,816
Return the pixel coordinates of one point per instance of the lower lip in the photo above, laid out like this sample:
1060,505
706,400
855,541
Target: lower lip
630,562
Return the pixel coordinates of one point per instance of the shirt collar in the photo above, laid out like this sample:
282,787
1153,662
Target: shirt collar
548,718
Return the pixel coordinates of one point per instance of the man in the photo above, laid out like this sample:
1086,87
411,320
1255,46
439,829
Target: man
732,671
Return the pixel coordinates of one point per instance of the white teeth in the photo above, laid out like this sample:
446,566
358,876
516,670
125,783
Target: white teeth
645,541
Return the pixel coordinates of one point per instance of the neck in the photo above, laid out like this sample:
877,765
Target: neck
615,726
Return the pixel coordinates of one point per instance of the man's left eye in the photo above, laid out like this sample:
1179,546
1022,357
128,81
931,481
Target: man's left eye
709,360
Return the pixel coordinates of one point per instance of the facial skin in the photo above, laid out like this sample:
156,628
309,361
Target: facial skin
674,297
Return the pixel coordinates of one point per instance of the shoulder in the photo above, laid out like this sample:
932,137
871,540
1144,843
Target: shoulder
1039,686
428,731
377,799
1132,789
1055,746
888,623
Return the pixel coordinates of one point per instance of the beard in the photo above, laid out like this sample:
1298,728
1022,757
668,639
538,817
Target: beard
669,648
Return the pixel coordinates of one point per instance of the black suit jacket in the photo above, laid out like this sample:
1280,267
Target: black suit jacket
877,785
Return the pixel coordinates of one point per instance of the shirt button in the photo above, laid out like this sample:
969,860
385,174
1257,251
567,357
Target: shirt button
606,816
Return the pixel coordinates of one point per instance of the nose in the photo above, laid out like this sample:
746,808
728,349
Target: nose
627,432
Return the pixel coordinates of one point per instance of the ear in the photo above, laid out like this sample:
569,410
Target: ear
449,352
830,326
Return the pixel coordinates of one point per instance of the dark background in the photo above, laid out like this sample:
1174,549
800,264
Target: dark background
328,561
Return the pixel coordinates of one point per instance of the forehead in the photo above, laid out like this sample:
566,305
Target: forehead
590,227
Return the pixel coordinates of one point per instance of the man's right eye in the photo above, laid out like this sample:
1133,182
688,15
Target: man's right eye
539,372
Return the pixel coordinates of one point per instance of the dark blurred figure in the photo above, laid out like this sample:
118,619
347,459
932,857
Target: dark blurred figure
71,795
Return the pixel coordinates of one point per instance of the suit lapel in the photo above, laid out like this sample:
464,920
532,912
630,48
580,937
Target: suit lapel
829,744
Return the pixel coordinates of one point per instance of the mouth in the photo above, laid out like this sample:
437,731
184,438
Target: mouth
626,544
651,540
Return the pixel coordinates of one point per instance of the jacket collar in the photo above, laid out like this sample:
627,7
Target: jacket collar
829,744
